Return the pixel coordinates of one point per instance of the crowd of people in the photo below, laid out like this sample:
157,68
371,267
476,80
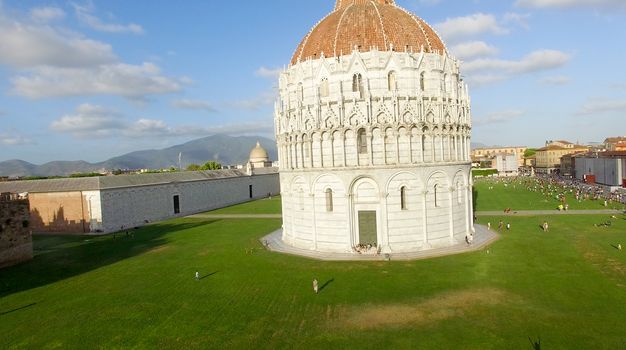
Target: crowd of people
563,190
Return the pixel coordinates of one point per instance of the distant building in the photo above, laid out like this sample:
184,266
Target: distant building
16,243
605,168
506,164
614,144
487,153
106,204
548,159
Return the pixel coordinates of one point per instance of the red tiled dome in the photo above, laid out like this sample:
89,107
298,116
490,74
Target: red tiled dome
367,24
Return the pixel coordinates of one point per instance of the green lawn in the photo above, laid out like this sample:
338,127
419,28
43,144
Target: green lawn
565,287
517,197
263,206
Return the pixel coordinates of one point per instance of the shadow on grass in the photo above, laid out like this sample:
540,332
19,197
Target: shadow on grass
17,309
209,275
475,199
536,345
59,257
326,284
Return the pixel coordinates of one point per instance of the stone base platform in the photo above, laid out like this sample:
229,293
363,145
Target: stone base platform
482,238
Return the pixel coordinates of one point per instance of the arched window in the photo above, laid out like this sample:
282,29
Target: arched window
436,189
357,83
423,81
391,81
300,92
459,193
329,200
324,88
362,141
403,198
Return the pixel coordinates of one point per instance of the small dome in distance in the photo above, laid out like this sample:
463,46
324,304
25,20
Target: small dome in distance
258,154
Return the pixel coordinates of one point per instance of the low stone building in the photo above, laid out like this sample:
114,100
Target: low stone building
111,203
506,164
16,243
605,168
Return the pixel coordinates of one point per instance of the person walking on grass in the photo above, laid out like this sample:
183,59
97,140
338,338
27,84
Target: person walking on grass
315,286
197,276
619,246
489,226
545,226
508,226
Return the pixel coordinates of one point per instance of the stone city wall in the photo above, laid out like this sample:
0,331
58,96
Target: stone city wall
15,236
130,207
65,212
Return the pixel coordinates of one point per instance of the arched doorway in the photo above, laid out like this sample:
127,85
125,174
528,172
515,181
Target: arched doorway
366,213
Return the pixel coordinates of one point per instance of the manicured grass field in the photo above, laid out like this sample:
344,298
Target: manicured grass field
519,198
263,206
566,288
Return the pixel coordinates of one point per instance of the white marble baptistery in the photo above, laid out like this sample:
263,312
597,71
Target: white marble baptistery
373,132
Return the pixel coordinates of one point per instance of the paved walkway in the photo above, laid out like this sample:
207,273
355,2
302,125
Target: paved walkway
482,238
549,212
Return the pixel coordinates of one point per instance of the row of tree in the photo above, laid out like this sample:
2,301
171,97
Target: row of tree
210,165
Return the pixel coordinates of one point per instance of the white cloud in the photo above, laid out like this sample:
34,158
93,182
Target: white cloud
517,18
473,49
194,105
266,98
46,14
85,15
14,139
555,80
602,105
453,29
268,72
27,45
604,4
485,71
89,121
131,81
498,117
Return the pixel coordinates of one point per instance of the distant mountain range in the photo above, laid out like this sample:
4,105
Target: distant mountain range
224,149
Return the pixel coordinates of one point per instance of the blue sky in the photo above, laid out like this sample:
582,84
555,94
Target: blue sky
95,79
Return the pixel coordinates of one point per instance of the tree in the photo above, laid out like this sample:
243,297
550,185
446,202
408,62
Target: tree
193,167
211,165
530,152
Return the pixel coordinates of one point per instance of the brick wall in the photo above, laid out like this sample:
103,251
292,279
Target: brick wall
16,243
59,212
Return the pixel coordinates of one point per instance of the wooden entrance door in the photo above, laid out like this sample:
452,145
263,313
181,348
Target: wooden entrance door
367,227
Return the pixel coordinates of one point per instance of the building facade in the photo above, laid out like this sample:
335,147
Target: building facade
16,243
615,144
373,131
548,158
507,164
107,204
487,153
